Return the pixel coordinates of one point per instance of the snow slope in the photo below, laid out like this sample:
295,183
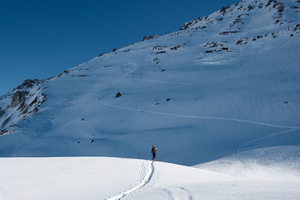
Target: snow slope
118,178
225,83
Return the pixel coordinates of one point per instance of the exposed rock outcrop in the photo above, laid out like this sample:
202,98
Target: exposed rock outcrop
28,83
150,37
5,122
2,132
17,98
1,112
118,95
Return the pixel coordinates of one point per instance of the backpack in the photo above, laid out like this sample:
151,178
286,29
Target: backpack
153,150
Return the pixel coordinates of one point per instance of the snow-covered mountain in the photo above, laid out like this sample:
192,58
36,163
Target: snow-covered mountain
223,84
221,94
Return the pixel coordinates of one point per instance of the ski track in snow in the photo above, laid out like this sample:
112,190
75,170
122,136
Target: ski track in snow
291,128
270,135
179,193
143,183
198,117
2,192
157,81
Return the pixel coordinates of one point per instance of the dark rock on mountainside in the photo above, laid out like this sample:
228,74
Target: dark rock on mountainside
17,98
5,122
118,95
1,112
223,10
2,132
64,72
161,52
175,47
28,83
228,32
150,37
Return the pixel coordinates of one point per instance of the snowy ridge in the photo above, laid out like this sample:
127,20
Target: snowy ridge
275,163
239,15
276,177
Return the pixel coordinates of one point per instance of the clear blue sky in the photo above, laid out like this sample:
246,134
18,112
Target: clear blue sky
41,38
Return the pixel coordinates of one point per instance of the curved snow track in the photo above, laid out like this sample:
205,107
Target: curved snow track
290,128
144,182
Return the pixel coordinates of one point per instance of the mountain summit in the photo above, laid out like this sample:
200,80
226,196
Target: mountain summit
224,83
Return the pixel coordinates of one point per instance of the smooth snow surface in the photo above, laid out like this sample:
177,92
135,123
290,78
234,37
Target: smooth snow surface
269,173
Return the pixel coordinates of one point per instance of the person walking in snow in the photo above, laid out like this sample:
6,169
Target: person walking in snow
153,151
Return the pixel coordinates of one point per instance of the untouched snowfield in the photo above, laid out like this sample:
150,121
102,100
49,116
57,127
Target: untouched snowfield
268,173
